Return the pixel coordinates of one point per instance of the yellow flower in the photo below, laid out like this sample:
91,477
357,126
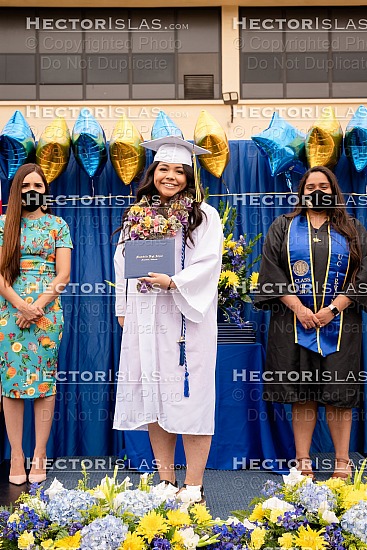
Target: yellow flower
257,513
351,496
14,517
177,540
48,544
230,278
230,244
274,514
151,524
132,542
238,250
286,541
257,538
147,221
69,542
254,278
136,209
334,483
25,540
200,513
309,539
176,518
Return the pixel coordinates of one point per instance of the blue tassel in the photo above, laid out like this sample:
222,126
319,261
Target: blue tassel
186,385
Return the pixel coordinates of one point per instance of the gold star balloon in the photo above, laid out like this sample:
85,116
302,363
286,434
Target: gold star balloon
324,140
53,149
210,135
126,153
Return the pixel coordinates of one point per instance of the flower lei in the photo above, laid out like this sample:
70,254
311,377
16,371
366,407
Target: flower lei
156,221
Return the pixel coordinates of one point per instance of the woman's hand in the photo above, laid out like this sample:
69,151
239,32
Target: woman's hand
22,321
324,316
160,279
307,318
121,321
31,312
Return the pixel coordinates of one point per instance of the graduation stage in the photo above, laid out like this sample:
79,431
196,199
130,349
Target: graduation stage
246,428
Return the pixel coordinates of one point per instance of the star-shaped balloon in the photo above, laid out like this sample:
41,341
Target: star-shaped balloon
89,144
283,145
163,126
324,140
53,149
355,142
17,144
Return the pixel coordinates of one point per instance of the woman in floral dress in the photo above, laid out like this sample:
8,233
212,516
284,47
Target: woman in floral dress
34,269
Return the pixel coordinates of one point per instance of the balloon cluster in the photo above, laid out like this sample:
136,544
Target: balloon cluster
288,149
88,142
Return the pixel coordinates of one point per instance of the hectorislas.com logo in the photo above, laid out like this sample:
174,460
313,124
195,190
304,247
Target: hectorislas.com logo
99,24
294,24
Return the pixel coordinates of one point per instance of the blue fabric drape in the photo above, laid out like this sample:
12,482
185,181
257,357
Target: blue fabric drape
89,352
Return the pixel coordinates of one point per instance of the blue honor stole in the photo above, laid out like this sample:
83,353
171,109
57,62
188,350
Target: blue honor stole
324,340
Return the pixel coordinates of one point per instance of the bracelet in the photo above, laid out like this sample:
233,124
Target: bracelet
169,286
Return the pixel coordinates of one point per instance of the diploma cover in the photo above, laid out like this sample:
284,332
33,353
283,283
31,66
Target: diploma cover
145,256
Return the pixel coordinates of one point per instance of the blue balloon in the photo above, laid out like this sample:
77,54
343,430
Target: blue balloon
283,145
355,141
89,144
163,126
17,145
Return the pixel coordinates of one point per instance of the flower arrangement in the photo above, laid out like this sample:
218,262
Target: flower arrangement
304,515
111,516
154,221
236,280
298,514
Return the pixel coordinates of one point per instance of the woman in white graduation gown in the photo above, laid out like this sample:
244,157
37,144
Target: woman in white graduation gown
154,391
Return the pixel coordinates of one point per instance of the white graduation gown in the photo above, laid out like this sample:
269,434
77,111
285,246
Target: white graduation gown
150,380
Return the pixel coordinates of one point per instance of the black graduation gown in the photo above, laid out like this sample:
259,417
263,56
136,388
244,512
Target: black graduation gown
292,372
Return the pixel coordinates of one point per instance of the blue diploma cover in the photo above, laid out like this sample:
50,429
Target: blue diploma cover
145,256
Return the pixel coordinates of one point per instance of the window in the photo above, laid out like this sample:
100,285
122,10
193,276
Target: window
303,53
91,54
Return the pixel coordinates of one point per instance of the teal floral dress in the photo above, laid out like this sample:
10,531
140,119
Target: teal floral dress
28,357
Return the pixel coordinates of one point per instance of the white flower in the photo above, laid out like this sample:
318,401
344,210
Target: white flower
54,488
323,506
36,504
190,539
329,516
190,494
108,482
275,503
164,491
293,478
248,524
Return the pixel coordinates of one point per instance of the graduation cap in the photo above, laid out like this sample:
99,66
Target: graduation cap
175,150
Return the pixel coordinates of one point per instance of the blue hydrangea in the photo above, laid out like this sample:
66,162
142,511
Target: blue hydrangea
103,534
137,502
311,496
354,520
272,488
65,507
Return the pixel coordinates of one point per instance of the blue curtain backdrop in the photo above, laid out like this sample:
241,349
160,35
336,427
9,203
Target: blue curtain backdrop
89,352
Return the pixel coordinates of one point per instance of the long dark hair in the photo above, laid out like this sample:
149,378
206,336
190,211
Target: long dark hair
148,189
338,215
10,256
